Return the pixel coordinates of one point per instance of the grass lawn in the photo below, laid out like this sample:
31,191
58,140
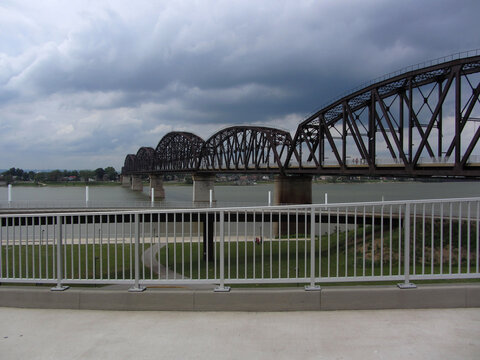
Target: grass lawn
102,261
351,254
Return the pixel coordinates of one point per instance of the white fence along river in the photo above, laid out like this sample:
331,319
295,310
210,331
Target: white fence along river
399,241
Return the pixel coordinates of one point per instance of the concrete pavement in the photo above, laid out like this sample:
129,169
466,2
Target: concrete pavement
369,334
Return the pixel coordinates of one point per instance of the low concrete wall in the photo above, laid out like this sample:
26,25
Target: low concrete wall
241,299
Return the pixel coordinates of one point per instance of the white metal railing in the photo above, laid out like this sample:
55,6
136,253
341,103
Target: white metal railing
313,244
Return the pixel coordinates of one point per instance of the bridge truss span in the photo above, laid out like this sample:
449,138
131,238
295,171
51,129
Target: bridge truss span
424,122
145,159
129,164
178,152
246,149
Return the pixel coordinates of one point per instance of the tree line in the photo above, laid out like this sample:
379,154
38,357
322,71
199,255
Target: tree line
100,174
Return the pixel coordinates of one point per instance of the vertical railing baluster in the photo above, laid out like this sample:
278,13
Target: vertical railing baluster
406,256
136,287
468,237
222,287
346,242
59,238
414,238
477,237
459,269
441,238
319,243
312,286
381,240
354,243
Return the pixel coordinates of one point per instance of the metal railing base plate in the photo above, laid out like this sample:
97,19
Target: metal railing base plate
222,289
407,286
312,288
60,288
137,289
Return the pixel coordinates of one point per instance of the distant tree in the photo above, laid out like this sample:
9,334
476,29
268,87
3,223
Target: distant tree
40,177
86,174
111,173
8,178
99,174
55,175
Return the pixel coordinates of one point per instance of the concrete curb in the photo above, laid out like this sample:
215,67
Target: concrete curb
243,299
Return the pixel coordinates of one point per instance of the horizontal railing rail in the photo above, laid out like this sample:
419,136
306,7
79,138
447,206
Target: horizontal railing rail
397,241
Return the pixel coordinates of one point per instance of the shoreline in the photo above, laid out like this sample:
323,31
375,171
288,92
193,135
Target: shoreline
230,183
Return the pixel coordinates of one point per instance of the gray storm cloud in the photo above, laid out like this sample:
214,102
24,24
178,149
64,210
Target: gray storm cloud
84,83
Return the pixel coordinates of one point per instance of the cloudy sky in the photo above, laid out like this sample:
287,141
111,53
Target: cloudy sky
83,83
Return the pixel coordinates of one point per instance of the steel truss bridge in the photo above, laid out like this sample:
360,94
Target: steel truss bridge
422,122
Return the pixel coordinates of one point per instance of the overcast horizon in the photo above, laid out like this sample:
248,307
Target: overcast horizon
84,83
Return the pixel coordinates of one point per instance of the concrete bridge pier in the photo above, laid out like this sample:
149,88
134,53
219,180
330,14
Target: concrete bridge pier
202,184
137,184
292,189
125,180
289,190
156,183
208,225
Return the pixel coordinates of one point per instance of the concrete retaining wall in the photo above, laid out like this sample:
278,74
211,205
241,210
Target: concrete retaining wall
240,299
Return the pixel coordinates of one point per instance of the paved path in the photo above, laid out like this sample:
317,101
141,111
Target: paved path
380,334
149,259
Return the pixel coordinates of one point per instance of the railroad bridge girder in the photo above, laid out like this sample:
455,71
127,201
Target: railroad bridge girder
416,124
178,152
420,123
245,149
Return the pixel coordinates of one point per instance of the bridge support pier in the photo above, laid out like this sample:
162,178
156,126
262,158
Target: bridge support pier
292,190
137,184
125,180
202,184
208,241
156,183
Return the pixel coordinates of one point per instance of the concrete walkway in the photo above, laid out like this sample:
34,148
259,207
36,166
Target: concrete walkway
380,334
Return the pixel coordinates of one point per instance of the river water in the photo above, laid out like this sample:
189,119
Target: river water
181,196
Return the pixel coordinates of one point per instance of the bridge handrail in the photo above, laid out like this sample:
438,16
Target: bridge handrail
256,208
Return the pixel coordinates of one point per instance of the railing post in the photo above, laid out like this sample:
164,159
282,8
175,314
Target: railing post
59,236
222,287
136,287
406,252
312,286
